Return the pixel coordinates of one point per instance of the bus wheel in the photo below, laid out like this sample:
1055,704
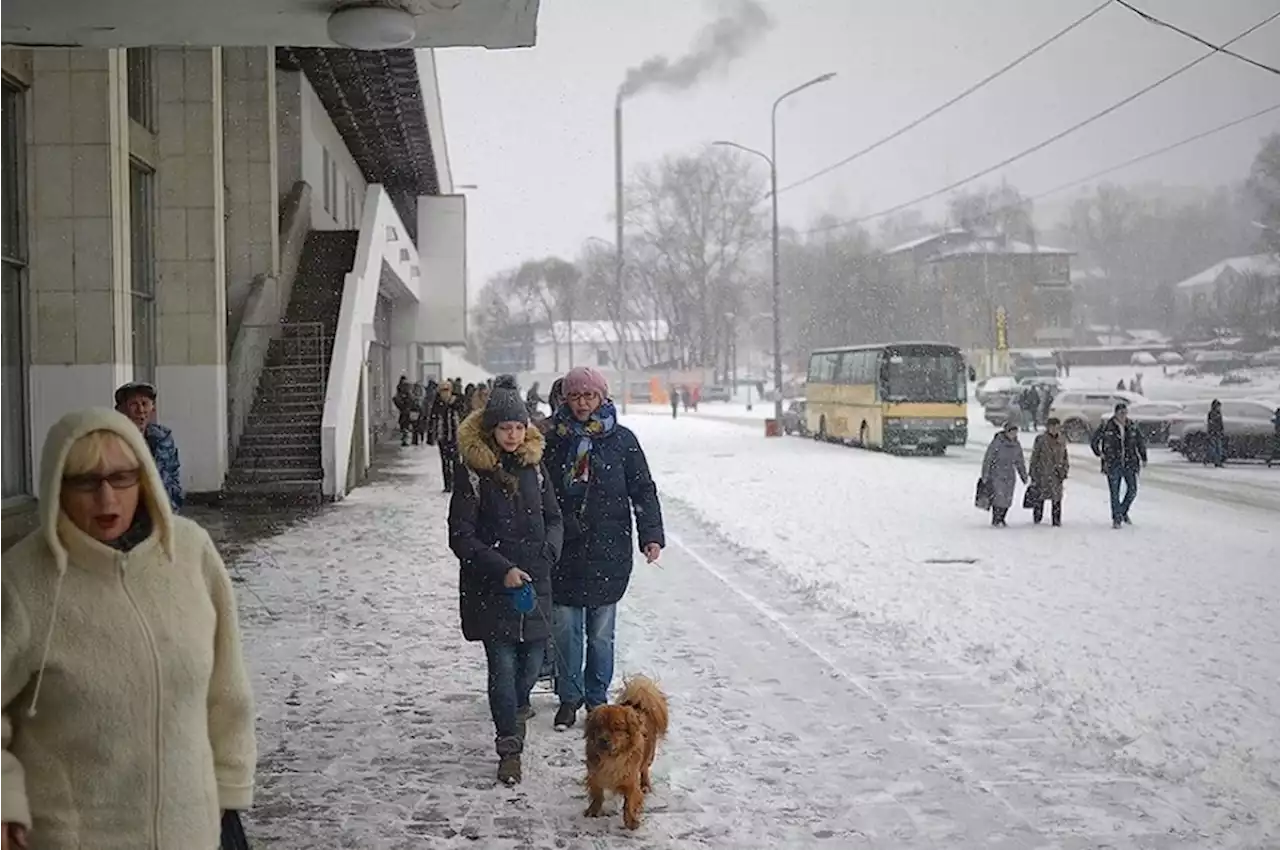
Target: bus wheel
864,436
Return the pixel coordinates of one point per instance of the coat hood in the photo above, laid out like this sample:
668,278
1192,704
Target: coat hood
477,450
57,445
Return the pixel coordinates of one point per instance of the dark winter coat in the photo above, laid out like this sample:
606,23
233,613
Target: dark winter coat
403,400
1002,466
492,530
1119,450
1049,466
444,420
595,566
1214,426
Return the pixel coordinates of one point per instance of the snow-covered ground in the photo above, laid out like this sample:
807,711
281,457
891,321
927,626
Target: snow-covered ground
1155,647
854,659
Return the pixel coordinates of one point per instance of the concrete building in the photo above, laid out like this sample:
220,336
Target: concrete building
269,235
952,285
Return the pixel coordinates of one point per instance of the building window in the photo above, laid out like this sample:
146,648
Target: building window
141,86
13,383
143,275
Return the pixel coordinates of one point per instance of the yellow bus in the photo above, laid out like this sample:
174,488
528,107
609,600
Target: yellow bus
898,396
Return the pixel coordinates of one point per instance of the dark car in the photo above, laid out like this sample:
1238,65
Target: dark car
793,419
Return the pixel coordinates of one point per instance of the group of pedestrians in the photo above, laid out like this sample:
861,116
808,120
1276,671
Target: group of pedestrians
541,521
1118,443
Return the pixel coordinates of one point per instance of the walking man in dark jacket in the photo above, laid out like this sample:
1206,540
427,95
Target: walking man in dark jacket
1216,431
138,401
442,430
1123,450
601,477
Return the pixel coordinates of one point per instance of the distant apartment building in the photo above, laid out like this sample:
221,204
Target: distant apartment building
952,285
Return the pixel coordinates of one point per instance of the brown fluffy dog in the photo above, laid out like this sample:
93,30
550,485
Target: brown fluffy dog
621,742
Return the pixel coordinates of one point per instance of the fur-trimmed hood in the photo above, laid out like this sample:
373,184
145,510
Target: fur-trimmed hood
478,452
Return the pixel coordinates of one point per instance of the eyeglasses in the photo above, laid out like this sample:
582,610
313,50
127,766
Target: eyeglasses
91,483
572,397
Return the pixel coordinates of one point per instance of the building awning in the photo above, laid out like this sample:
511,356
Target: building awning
375,100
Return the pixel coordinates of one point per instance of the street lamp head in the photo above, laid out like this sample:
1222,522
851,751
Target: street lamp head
827,76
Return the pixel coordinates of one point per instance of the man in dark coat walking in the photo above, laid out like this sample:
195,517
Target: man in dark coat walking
442,430
1123,450
505,528
601,477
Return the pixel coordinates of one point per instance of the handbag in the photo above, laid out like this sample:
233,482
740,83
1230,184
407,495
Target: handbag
982,496
233,837
1031,498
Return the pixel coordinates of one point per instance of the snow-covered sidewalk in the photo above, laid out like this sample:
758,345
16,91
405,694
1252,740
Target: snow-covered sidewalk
796,722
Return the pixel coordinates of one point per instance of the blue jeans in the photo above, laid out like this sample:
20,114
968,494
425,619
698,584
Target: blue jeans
513,671
586,678
1120,507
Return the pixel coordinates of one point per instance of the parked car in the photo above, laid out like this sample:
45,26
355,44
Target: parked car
793,419
1249,427
1033,365
715,392
1170,358
1157,419
990,386
1082,412
1193,414
1143,358
1218,362
1266,358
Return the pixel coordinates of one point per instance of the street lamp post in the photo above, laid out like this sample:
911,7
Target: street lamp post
772,159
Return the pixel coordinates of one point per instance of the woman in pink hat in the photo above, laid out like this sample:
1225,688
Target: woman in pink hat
601,478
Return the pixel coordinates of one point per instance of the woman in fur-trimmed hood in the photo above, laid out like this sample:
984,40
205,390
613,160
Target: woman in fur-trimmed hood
505,528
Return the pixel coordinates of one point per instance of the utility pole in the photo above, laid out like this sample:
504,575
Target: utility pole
618,261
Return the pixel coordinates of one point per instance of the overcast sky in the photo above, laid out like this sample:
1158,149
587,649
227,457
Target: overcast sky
534,128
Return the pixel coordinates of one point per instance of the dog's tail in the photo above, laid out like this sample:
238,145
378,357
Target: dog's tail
644,695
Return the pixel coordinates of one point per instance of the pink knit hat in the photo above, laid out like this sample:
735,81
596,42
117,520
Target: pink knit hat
584,379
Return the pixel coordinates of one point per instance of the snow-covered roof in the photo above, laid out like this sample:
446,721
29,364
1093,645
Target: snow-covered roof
996,245
1261,264
605,332
925,240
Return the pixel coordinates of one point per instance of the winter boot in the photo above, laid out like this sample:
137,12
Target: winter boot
509,767
1057,514
567,715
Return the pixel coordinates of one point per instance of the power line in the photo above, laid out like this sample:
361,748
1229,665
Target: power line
1152,19
1158,152
1044,144
952,102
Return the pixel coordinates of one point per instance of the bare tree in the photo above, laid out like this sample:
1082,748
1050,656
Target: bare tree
548,290
694,227
1264,185
1002,210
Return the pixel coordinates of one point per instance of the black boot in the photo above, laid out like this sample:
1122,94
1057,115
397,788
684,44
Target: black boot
1057,514
1037,513
566,715
510,771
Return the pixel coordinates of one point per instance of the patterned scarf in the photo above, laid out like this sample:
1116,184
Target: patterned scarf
601,424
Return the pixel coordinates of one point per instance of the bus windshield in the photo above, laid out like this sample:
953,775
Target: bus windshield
924,377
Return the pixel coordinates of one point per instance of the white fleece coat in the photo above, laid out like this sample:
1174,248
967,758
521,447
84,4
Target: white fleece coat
128,719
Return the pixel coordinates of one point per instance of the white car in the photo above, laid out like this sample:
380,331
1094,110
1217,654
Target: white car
1081,412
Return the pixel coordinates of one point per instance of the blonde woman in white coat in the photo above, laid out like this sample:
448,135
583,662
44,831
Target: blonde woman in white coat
128,719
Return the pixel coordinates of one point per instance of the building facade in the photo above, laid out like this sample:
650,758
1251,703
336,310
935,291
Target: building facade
268,235
952,286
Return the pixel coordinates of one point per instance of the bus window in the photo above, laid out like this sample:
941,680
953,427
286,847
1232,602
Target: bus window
925,377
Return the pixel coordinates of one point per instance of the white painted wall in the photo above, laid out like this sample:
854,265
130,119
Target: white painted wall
434,109
320,135
442,247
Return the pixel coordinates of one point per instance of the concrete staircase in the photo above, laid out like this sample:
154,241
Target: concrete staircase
278,458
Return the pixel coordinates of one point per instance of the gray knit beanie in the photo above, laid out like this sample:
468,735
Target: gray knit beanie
505,404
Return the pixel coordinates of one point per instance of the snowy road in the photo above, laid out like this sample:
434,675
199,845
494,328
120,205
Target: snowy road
802,716
1156,647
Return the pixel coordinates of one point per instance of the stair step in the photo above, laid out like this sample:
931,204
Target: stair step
276,460
299,492
274,474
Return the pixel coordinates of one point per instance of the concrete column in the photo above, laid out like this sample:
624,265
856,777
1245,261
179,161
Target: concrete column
191,264
79,249
253,205
289,130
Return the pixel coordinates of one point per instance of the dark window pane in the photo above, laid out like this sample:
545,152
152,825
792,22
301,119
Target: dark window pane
11,181
13,385
141,86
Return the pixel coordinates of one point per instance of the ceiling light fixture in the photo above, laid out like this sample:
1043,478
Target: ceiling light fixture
372,26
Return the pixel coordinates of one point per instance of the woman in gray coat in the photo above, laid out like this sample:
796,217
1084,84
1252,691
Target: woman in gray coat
1003,461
